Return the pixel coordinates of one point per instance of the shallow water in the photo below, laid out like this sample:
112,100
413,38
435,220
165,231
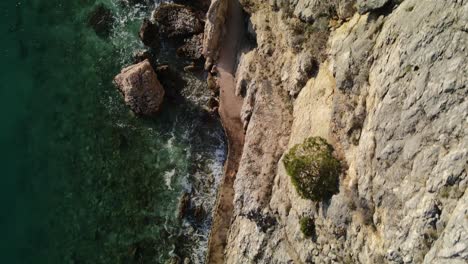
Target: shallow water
84,180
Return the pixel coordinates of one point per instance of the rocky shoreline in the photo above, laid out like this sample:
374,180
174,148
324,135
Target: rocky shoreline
161,74
145,84
218,51
361,75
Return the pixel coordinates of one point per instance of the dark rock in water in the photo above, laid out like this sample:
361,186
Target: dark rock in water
101,20
193,48
143,250
172,82
177,21
213,103
141,89
212,83
162,69
199,213
149,34
141,55
184,206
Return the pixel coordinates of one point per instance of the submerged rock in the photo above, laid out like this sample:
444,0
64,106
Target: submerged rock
101,20
172,81
184,205
141,89
177,21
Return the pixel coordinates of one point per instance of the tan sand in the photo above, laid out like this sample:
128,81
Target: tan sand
229,111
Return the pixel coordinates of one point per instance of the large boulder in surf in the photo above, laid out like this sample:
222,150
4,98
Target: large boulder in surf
101,20
177,21
141,89
149,34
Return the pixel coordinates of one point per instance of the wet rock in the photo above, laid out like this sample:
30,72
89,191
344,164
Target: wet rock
199,213
172,81
141,89
141,55
174,260
101,20
212,83
162,69
213,104
184,206
190,68
192,48
177,21
149,34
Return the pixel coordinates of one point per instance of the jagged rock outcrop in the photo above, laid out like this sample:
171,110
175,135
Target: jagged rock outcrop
140,88
390,94
215,19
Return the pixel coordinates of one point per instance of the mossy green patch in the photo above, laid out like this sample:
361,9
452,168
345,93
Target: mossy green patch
307,226
313,169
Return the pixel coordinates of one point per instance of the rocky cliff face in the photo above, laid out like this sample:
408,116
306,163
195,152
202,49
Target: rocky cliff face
386,83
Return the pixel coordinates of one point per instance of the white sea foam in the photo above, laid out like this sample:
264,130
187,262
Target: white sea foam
168,175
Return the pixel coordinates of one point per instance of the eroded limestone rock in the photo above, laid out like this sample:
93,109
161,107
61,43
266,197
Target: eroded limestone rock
140,88
215,19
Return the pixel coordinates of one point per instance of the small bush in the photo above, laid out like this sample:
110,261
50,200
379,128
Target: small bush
313,169
307,226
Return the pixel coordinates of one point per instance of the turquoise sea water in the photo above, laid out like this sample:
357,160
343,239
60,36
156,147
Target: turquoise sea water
82,179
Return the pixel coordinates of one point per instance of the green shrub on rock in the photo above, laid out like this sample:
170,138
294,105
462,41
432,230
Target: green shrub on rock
313,169
307,226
